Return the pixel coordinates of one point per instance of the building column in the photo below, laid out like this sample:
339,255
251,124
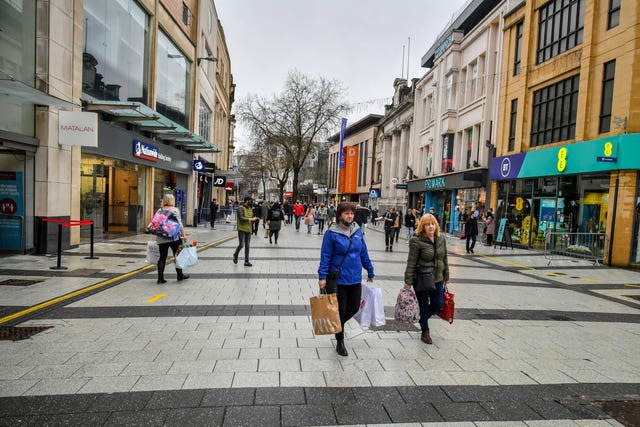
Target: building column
386,166
403,159
395,142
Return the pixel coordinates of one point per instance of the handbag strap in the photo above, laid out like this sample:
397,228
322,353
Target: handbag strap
345,254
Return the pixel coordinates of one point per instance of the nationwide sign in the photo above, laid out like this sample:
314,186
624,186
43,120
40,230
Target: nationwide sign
145,151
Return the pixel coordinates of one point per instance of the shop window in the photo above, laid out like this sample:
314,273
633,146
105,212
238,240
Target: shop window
512,124
172,81
447,153
554,113
518,52
613,16
560,28
607,96
115,58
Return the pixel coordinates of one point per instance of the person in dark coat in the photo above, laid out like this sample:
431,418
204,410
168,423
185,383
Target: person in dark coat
471,231
213,210
361,216
275,216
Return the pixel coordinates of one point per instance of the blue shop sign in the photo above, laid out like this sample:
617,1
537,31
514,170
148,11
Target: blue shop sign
145,151
11,210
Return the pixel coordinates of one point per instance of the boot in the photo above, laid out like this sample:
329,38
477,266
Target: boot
181,276
426,338
341,349
161,273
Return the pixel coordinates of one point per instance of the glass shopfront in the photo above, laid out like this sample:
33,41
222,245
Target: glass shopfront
115,53
172,81
571,204
112,195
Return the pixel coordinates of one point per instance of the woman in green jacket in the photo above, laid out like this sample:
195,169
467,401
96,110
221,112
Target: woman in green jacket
428,248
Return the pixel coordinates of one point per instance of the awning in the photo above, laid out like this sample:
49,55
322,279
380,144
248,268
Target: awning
30,94
146,119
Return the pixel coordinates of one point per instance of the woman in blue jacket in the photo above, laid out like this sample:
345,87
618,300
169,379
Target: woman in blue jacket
344,251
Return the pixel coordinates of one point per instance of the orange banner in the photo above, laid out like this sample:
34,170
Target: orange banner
348,182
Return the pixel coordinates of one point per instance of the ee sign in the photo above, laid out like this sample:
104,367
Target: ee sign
219,181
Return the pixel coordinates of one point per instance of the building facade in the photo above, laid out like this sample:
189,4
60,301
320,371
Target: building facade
455,110
567,141
353,182
131,65
392,147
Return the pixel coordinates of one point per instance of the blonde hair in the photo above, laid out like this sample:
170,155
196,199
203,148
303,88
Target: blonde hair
168,200
422,225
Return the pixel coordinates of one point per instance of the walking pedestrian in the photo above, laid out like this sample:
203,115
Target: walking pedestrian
428,248
298,212
288,211
471,231
331,215
491,227
310,218
397,224
275,216
389,219
321,214
344,251
246,219
169,205
410,223
256,209
213,210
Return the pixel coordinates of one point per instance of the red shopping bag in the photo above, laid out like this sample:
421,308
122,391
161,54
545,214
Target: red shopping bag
448,306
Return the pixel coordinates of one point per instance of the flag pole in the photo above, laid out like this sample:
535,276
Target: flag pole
343,128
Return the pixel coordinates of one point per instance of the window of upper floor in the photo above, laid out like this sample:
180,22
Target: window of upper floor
554,112
560,28
517,54
613,15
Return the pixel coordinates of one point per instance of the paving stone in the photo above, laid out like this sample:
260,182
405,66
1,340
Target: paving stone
279,365
462,411
85,419
297,415
330,395
256,379
120,402
159,382
229,397
175,399
192,367
347,378
100,370
302,379
245,365
34,420
549,409
215,380
412,412
194,417
508,410
389,378
109,384
247,416
138,418
56,386
359,413
16,387
417,395
146,368
280,396
380,395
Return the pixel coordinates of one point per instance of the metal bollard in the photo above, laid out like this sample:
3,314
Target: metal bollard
59,266
91,247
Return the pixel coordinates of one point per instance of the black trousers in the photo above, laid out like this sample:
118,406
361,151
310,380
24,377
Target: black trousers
164,252
489,239
244,239
348,304
388,236
273,233
396,233
213,218
254,226
472,238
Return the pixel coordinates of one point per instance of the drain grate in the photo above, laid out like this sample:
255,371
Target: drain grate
19,282
625,411
394,325
17,333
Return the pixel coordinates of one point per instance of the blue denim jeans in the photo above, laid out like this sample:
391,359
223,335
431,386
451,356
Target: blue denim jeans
430,303
298,223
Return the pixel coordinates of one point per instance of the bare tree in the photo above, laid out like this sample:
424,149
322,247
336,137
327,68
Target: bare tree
278,165
303,113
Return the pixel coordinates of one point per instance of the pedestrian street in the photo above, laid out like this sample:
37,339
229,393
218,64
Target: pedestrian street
531,344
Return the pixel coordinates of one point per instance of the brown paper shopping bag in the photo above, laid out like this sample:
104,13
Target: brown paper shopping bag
325,315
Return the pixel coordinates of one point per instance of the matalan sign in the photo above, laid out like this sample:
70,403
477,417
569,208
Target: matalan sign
78,128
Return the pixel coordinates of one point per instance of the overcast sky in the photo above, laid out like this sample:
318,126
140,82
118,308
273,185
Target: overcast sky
358,42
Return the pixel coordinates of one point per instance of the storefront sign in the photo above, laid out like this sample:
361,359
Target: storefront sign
348,180
78,128
501,228
401,186
11,210
435,183
374,193
443,46
148,152
219,181
198,165
600,155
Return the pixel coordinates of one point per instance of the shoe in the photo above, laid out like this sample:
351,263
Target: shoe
426,338
235,259
471,250
341,349
386,249
247,264
161,281
390,248
270,242
183,277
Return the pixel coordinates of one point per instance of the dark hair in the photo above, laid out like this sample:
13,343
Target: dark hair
343,207
247,198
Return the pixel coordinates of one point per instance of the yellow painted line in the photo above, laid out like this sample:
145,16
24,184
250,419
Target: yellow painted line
632,286
516,264
90,288
156,298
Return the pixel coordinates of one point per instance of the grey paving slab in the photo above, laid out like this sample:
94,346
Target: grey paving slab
361,413
194,417
56,386
111,384
120,402
175,399
256,379
148,418
412,412
159,382
297,415
247,415
229,397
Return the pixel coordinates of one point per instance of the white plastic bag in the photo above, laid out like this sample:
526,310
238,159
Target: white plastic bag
371,308
153,252
187,257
